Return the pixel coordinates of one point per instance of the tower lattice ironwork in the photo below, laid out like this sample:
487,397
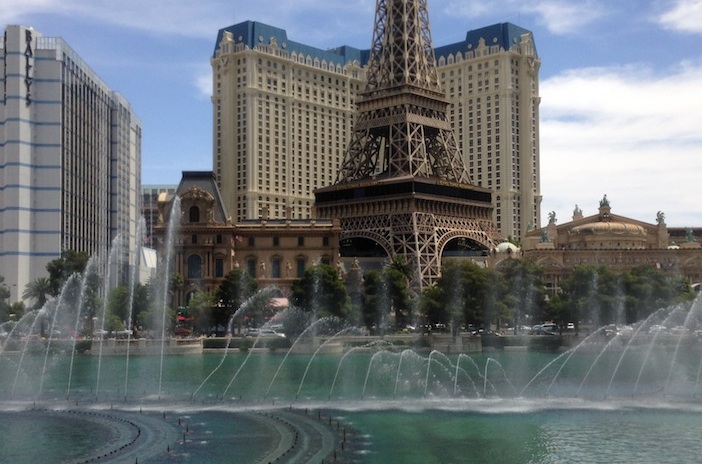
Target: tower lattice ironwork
403,183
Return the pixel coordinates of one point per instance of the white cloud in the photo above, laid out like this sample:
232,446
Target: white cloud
203,81
685,16
466,8
12,11
561,17
558,16
312,18
628,133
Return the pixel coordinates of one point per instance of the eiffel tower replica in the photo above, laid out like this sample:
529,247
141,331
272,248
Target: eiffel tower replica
403,183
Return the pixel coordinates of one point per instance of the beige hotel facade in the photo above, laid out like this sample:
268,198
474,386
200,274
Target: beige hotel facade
283,113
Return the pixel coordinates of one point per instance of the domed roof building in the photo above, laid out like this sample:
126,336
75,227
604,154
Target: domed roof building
617,242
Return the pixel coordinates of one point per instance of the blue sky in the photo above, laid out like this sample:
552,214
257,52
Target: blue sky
621,82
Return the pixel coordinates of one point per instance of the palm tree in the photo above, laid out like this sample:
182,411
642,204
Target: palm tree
38,290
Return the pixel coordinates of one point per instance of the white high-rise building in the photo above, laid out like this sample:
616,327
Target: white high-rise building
70,159
492,82
283,115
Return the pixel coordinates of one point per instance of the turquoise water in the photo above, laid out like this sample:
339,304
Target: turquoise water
552,436
504,407
383,375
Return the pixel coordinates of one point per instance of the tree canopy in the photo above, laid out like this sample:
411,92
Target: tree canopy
321,292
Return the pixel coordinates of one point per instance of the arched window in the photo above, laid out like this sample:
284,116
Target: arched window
251,267
300,262
194,214
194,267
276,268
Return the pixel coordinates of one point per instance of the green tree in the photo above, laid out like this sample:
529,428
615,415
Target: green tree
354,288
376,302
430,305
524,291
175,282
397,285
4,304
200,309
237,287
595,295
118,303
38,291
70,262
321,292
464,287
649,289
388,291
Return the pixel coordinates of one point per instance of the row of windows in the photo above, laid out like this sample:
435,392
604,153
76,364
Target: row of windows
276,241
253,267
259,269
195,267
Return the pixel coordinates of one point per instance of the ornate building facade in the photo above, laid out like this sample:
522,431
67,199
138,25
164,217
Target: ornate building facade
614,241
207,244
284,112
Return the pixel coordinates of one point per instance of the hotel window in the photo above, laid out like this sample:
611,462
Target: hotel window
194,267
194,214
300,267
276,268
219,267
251,267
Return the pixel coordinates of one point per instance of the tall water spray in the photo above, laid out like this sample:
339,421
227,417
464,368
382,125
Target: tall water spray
91,270
133,278
114,253
167,258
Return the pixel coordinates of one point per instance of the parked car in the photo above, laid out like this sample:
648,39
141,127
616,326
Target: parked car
544,329
550,327
182,332
263,333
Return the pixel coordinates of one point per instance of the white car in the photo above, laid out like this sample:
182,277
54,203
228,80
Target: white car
263,333
679,330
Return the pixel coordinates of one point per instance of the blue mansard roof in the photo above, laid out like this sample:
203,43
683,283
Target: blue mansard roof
506,35
252,33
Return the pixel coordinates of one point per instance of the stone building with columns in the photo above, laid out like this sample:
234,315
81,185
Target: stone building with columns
614,241
207,244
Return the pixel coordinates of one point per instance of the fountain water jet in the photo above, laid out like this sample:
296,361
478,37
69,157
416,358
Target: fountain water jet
90,270
66,288
130,305
693,311
640,326
309,363
312,327
173,221
458,364
265,294
115,251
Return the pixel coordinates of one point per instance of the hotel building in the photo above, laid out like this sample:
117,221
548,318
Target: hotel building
70,159
283,115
